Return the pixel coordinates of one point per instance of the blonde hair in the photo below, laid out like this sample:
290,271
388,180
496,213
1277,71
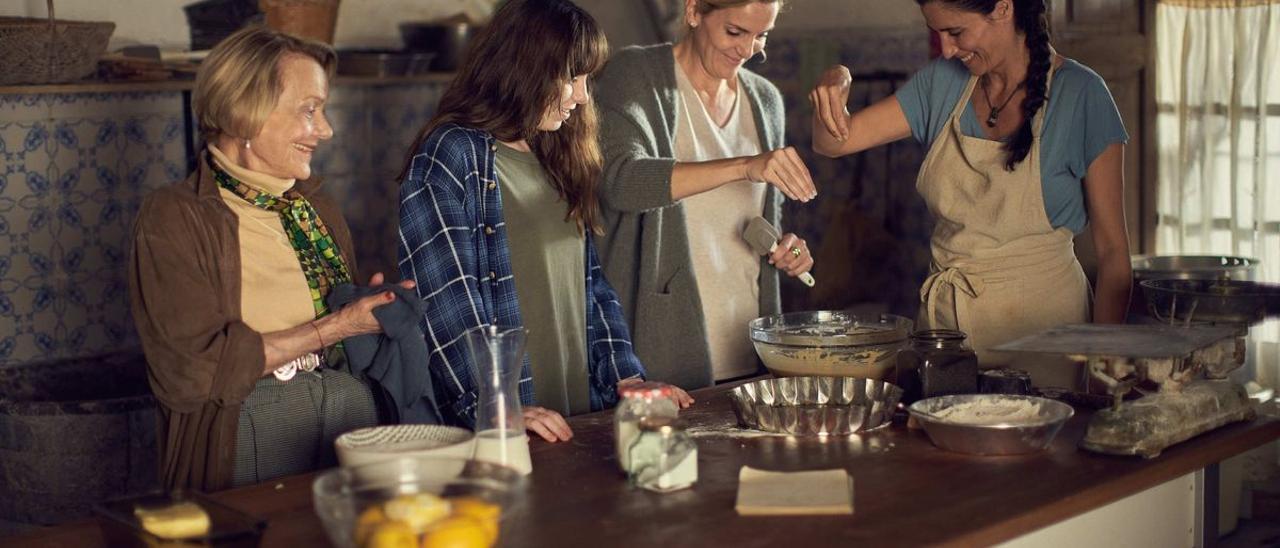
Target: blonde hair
704,7
707,6
239,82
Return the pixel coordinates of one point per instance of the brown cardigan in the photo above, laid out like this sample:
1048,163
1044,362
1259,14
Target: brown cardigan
184,286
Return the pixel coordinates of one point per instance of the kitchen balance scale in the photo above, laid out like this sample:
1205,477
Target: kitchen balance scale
1177,367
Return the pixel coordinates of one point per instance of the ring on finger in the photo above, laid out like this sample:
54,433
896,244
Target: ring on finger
795,251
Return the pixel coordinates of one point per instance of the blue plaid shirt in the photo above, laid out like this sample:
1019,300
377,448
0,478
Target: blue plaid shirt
453,244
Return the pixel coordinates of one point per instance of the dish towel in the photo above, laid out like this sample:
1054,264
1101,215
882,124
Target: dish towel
396,359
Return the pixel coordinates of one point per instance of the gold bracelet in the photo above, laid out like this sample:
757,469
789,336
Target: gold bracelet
318,336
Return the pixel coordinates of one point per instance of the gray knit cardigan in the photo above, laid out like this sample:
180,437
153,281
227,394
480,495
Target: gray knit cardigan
645,248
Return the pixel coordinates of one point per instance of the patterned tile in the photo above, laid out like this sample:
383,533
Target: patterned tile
95,105
24,108
349,149
346,95
71,187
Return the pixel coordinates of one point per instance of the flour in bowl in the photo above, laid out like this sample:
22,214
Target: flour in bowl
992,411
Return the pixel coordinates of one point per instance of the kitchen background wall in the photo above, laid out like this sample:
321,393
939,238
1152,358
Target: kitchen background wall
74,167
373,23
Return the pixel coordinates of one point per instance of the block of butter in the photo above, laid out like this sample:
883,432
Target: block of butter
181,520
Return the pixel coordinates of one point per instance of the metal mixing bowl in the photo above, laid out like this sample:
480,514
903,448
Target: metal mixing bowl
815,406
994,424
1224,301
829,343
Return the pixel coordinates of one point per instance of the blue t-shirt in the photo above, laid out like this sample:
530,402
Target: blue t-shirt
1081,122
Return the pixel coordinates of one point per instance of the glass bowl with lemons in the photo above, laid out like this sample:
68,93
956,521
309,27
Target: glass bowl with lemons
416,501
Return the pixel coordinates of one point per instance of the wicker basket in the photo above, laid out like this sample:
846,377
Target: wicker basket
49,51
311,19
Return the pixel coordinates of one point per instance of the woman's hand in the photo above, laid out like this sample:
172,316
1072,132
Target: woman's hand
357,318
792,255
279,347
830,98
547,423
682,398
784,169
678,395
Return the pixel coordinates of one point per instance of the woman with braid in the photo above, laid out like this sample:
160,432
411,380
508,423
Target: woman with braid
1026,148
230,272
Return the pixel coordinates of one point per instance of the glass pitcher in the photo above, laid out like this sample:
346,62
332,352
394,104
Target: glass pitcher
497,353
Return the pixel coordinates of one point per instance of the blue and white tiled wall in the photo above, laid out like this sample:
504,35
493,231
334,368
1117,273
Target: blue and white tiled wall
74,168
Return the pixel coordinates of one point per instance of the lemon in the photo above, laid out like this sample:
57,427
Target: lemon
418,511
457,532
369,520
485,513
392,534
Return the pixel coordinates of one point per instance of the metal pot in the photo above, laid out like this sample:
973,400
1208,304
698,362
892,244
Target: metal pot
449,41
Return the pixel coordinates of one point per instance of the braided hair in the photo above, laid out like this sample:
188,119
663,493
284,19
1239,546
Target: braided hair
1030,19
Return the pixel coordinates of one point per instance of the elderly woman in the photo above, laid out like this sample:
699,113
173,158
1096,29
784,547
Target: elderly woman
498,213
1026,148
230,271
688,137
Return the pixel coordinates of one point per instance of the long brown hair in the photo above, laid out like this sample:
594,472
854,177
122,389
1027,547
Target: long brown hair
1030,19
513,73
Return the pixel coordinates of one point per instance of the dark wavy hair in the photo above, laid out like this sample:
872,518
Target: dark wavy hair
1030,19
512,74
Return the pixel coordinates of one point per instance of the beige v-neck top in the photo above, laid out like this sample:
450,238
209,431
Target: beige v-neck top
726,270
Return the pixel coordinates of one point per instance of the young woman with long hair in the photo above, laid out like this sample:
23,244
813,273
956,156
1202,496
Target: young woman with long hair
497,213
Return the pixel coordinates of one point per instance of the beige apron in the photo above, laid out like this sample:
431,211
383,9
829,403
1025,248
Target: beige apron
1000,271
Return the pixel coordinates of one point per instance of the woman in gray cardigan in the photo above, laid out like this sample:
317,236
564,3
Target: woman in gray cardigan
693,147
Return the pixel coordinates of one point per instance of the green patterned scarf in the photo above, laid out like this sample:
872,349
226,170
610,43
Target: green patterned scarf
318,253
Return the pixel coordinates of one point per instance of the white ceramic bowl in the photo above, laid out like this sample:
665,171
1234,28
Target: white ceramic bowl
382,443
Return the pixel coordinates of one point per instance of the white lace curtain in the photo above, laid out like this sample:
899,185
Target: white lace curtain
1218,134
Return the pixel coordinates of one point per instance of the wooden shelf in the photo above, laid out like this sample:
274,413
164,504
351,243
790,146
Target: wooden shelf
90,86
98,87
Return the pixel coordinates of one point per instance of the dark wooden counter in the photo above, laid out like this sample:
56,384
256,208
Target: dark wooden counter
906,491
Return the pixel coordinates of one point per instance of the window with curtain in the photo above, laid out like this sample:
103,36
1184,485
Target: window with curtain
1218,135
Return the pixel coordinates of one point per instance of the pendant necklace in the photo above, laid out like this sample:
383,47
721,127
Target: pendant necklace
995,111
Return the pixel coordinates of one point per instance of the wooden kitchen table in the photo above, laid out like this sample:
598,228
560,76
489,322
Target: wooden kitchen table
906,491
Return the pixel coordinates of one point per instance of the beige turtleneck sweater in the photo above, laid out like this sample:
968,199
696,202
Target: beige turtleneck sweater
273,290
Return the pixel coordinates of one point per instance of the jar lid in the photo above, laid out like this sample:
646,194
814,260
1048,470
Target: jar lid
646,390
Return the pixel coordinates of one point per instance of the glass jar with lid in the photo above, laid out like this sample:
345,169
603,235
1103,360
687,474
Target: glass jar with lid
635,402
663,456
937,362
